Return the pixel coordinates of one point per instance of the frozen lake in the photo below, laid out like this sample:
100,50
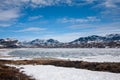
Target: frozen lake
86,54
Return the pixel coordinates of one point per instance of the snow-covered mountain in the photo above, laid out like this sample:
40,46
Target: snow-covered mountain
111,41
95,38
42,43
9,43
113,37
49,41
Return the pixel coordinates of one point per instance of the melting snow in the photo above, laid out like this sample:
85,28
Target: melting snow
48,72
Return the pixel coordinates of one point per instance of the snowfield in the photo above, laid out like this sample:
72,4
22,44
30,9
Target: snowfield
48,72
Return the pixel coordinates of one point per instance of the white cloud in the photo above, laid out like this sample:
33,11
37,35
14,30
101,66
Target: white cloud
111,3
90,1
110,9
103,26
5,24
78,20
35,17
81,26
11,9
57,2
42,3
9,12
107,4
14,7
6,15
31,29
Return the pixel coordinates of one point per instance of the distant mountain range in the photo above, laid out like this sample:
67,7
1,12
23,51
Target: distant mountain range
41,43
110,41
94,41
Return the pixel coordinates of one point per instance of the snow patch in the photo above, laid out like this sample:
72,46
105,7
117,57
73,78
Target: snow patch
48,72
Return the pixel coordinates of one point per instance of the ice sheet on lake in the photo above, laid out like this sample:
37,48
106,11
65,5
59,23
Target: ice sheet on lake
91,55
4,55
86,54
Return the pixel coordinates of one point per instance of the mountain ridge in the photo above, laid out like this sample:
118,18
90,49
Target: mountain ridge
93,41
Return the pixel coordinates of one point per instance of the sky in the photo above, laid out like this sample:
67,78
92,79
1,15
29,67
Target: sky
63,20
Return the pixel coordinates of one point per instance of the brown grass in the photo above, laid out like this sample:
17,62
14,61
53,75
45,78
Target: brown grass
11,73
106,66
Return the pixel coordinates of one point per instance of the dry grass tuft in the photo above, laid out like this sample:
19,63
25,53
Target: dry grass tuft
95,66
11,73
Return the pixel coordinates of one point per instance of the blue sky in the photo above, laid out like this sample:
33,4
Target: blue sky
64,20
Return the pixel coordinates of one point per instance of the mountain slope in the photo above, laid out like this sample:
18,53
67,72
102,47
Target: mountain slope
112,41
9,43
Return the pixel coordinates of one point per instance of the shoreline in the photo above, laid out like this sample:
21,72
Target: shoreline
12,73
7,71
94,66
